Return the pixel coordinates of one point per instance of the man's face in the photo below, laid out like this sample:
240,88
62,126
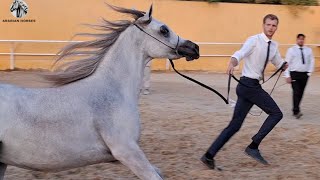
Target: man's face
270,27
300,40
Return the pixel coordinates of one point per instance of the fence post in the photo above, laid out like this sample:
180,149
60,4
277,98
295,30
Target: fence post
12,63
167,64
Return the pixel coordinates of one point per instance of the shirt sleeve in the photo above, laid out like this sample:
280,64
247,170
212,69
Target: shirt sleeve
246,49
277,60
288,59
311,67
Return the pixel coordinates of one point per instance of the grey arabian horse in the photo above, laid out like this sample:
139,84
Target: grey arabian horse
91,114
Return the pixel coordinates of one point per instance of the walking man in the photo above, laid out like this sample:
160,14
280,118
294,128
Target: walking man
301,64
257,51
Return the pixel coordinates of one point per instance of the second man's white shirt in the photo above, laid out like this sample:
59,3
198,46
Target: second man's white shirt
294,59
254,53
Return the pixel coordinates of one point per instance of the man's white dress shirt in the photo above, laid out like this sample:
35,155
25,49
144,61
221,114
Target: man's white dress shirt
254,53
295,61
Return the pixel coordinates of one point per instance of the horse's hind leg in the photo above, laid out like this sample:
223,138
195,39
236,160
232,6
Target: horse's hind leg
132,156
3,168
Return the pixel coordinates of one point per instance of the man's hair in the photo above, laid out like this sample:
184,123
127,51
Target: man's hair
300,35
272,17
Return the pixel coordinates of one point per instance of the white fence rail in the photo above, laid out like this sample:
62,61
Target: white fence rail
13,44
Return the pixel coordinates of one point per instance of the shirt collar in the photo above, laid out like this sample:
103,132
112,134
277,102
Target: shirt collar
265,38
297,46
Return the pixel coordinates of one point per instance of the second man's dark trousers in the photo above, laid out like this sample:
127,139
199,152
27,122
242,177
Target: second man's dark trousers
249,95
299,83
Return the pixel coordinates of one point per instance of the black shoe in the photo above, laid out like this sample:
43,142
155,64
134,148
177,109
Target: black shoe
255,154
298,116
208,162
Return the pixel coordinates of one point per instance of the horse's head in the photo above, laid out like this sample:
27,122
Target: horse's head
161,42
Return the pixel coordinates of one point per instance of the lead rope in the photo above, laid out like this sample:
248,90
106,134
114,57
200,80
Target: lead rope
227,99
273,88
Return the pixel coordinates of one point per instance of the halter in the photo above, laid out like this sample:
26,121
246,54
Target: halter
175,49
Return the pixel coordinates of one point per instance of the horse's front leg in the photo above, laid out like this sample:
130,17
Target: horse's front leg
122,139
130,154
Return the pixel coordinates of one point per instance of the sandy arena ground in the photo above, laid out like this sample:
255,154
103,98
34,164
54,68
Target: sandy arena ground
180,120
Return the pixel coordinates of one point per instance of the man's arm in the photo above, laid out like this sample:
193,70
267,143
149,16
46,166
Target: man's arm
311,67
287,72
232,63
245,51
277,61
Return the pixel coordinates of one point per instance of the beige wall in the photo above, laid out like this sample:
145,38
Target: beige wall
197,21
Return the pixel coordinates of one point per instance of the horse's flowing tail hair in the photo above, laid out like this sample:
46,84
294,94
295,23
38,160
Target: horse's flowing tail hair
93,50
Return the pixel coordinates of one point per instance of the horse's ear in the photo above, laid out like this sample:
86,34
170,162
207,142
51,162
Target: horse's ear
147,18
150,11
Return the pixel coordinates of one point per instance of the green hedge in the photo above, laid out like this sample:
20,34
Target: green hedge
284,2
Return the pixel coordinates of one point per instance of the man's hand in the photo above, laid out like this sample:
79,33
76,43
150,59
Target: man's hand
285,67
233,63
289,80
230,69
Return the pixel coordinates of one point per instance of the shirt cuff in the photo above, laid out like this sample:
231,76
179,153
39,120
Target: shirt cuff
309,74
236,57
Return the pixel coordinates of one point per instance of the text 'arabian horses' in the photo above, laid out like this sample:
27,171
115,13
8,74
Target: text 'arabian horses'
91,115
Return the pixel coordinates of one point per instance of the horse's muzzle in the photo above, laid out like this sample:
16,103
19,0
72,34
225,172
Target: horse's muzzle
189,50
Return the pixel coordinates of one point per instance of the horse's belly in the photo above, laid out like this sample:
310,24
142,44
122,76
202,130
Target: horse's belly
59,162
53,151
44,159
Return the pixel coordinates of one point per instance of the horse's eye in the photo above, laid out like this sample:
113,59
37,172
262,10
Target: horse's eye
164,31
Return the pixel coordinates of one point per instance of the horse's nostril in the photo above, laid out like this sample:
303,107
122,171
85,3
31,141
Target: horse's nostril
189,50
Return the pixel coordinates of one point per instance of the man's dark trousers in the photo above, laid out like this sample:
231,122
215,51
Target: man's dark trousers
249,94
299,83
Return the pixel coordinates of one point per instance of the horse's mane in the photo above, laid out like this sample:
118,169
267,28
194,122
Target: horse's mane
94,50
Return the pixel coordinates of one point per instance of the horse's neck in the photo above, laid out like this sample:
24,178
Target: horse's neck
123,65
